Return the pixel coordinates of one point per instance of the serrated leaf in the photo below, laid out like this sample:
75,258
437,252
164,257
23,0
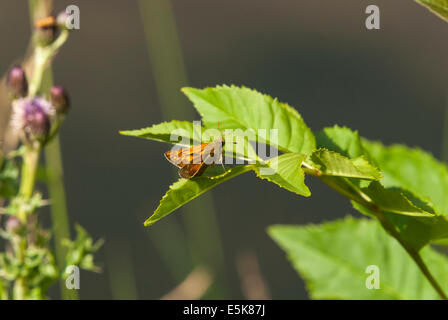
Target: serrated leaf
404,195
183,191
331,163
286,171
438,7
332,258
242,108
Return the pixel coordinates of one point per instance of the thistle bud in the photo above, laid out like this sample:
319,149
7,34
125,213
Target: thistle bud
60,99
17,82
13,225
45,31
32,118
61,20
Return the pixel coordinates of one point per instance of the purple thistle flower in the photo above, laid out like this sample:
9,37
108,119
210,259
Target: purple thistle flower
17,82
32,118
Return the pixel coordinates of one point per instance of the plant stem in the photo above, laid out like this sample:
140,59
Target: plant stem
42,57
42,81
59,214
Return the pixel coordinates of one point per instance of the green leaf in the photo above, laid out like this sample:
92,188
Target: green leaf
332,258
438,7
185,190
286,171
406,198
331,163
242,108
395,201
412,169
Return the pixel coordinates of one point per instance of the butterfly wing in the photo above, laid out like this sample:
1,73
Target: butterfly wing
185,156
175,157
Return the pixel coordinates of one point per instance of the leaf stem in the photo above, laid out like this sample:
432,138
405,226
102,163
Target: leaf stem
42,56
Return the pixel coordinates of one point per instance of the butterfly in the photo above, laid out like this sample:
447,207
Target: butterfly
193,161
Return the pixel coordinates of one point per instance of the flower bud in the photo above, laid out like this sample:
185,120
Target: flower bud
17,82
13,225
32,118
60,99
45,31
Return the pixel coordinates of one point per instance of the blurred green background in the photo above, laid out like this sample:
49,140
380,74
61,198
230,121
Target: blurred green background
124,69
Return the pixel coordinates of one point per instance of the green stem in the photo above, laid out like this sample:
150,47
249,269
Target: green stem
42,57
360,197
59,214
413,253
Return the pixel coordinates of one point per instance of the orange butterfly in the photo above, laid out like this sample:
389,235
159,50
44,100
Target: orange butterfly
193,161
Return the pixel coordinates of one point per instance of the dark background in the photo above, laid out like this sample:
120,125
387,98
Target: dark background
316,55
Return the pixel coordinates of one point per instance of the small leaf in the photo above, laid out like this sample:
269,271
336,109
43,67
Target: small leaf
81,250
332,259
242,108
286,171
